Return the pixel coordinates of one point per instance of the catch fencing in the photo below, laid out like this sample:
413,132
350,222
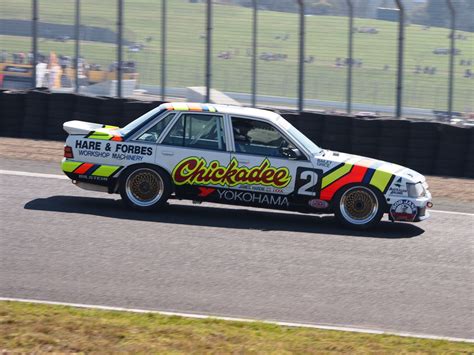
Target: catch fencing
363,56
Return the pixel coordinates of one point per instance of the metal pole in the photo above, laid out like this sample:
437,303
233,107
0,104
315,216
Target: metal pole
34,43
119,47
349,55
163,49
254,54
77,25
301,58
401,39
451,58
208,50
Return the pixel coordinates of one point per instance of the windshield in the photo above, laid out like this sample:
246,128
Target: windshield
299,137
132,126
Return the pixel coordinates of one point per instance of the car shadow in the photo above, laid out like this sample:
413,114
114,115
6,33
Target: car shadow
210,216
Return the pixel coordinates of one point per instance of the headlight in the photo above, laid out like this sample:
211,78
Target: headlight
415,190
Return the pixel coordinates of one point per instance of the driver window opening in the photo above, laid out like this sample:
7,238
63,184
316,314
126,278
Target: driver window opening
260,138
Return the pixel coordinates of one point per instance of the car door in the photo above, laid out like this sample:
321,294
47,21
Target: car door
289,180
191,150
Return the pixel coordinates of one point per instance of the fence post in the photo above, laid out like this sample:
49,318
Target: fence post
163,50
452,49
34,43
208,50
349,54
401,40
119,47
254,54
77,24
301,57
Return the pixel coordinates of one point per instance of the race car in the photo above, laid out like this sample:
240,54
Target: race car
240,156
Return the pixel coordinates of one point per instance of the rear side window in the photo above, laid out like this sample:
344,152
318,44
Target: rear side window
153,133
197,131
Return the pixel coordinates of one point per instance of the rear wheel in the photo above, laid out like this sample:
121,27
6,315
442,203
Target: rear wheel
359,207
145,188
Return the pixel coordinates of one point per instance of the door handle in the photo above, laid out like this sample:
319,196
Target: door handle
167,153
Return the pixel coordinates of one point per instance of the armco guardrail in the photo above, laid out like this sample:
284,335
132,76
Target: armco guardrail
428,147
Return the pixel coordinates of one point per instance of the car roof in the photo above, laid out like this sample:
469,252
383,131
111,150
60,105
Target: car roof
226,109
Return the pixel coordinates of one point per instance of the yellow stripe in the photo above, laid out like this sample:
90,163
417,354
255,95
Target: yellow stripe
336,174
69,166
105,170
180,107
100,135
211,109
380,179
110,127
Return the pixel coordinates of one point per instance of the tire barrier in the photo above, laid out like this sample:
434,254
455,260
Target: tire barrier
427,147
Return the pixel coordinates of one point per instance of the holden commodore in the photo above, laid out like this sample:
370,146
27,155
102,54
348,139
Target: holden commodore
241,156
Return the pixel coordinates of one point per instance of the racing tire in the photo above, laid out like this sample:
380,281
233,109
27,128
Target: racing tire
145,188
359,207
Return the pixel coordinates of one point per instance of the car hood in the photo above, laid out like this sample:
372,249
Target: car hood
400,171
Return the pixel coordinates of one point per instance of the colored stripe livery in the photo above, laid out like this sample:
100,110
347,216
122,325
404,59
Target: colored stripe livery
107,133
196,107
377,174
89,169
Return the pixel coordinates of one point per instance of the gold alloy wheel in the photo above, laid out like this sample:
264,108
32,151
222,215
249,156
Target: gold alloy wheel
359,205
144,187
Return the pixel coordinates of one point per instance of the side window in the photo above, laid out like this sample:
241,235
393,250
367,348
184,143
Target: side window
197,131
153,133
256,137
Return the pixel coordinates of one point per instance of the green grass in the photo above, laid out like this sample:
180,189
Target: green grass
326,39
43,328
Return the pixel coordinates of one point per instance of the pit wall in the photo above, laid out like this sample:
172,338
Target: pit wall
428,147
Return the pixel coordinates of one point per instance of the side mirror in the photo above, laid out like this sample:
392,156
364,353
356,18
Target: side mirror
291,153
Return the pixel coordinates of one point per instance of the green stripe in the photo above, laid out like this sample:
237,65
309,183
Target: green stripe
336,174
99,135
380,179
69,166
105,170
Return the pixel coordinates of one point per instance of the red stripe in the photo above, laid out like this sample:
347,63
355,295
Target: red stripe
356,175
82,169
117,138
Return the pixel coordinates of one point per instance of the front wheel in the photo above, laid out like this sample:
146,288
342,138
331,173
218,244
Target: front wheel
359,207
145,188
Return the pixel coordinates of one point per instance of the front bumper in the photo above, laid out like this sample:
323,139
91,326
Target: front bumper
422,204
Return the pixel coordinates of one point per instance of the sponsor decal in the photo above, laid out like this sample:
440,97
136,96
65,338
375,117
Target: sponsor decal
403,210
120,151
205,191
318,204
253,197
323,163
196,171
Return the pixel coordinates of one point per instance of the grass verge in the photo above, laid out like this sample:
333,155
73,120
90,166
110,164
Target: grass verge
28,327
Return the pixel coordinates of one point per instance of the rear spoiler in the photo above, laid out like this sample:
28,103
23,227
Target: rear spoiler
80,127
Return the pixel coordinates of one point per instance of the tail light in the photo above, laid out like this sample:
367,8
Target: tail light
68,152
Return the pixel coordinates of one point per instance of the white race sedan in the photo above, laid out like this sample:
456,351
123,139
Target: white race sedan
241,156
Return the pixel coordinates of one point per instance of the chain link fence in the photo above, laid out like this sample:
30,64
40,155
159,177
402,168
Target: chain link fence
380,56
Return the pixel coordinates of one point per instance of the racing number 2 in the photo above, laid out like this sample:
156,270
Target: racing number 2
307,181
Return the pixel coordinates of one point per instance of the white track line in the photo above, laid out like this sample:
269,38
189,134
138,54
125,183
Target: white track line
40,175
204,316
64,177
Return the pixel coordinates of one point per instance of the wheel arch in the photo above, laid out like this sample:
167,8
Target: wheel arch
123,172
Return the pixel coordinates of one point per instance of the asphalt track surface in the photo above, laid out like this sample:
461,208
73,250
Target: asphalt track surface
60,243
